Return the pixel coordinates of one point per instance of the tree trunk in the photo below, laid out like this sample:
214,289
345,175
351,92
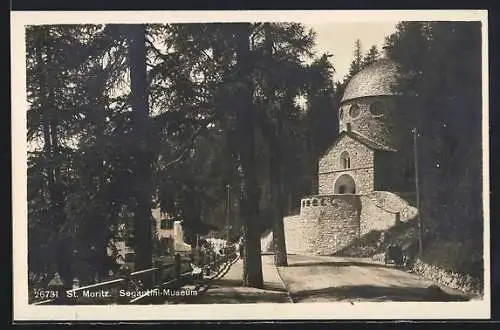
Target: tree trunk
275,164
143,172
101,264
252,261
63,241
56,197
279,245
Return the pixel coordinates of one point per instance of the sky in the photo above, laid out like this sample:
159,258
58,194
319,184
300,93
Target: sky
338,39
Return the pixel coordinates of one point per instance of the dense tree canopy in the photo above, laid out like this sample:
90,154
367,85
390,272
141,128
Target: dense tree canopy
441,66
126,118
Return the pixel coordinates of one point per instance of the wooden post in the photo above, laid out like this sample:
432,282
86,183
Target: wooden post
57,285
125,274
177,265
157,275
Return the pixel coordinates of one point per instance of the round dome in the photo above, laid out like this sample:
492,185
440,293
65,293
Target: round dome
374,80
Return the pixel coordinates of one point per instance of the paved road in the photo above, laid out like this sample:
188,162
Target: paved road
229,290
324,279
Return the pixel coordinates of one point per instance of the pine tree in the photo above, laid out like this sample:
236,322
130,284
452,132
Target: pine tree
142,184
441,68
357,62
249,203
370,57
114,142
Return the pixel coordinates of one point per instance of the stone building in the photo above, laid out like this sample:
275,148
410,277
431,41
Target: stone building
366,178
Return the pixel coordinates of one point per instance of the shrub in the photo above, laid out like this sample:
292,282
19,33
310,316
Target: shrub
463,282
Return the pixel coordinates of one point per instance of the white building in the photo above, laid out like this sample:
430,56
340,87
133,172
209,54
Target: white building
168,233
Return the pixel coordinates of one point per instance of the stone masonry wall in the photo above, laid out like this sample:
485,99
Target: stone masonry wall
362,177
374,217
325,224
361,161
379,211
395,203
380,128
294,239
329,222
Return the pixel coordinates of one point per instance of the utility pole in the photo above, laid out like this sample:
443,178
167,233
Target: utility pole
417,192
228,212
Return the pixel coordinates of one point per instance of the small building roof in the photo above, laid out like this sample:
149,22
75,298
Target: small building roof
361,139
369,143
375,80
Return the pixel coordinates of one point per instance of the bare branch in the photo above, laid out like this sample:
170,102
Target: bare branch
190,143
155,50
178,159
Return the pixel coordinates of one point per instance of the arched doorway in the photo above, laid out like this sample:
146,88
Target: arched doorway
344,185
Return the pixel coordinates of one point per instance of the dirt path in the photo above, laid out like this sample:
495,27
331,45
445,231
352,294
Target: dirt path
323,279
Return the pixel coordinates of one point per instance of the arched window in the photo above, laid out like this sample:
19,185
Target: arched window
345,160
377,108
354,111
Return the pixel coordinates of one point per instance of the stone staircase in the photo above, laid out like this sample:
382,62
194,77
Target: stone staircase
392,202
380,211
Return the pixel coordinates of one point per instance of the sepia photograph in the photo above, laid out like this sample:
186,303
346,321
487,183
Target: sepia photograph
250,165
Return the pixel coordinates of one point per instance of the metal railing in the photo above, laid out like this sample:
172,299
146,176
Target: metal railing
212,264
138,287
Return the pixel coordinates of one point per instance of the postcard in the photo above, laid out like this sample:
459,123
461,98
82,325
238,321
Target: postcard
250,165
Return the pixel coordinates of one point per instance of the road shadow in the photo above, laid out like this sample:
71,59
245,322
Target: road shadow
242,298
233,283
227,282
379,293
231,291
336,264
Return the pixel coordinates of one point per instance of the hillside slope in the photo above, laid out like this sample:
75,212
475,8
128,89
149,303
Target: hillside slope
454,263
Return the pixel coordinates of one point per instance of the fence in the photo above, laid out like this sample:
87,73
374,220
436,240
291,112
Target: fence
142,286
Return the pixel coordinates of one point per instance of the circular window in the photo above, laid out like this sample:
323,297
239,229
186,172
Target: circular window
354,111
341,113
377,108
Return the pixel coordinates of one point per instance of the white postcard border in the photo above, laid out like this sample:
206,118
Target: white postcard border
479,309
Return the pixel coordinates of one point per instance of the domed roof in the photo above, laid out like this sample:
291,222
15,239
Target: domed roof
374,80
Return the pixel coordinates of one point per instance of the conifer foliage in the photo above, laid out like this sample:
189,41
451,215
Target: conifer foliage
123,119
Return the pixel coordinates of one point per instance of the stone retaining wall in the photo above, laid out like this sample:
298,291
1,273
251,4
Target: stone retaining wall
374,217
326,224
379,211
395,203
294,239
